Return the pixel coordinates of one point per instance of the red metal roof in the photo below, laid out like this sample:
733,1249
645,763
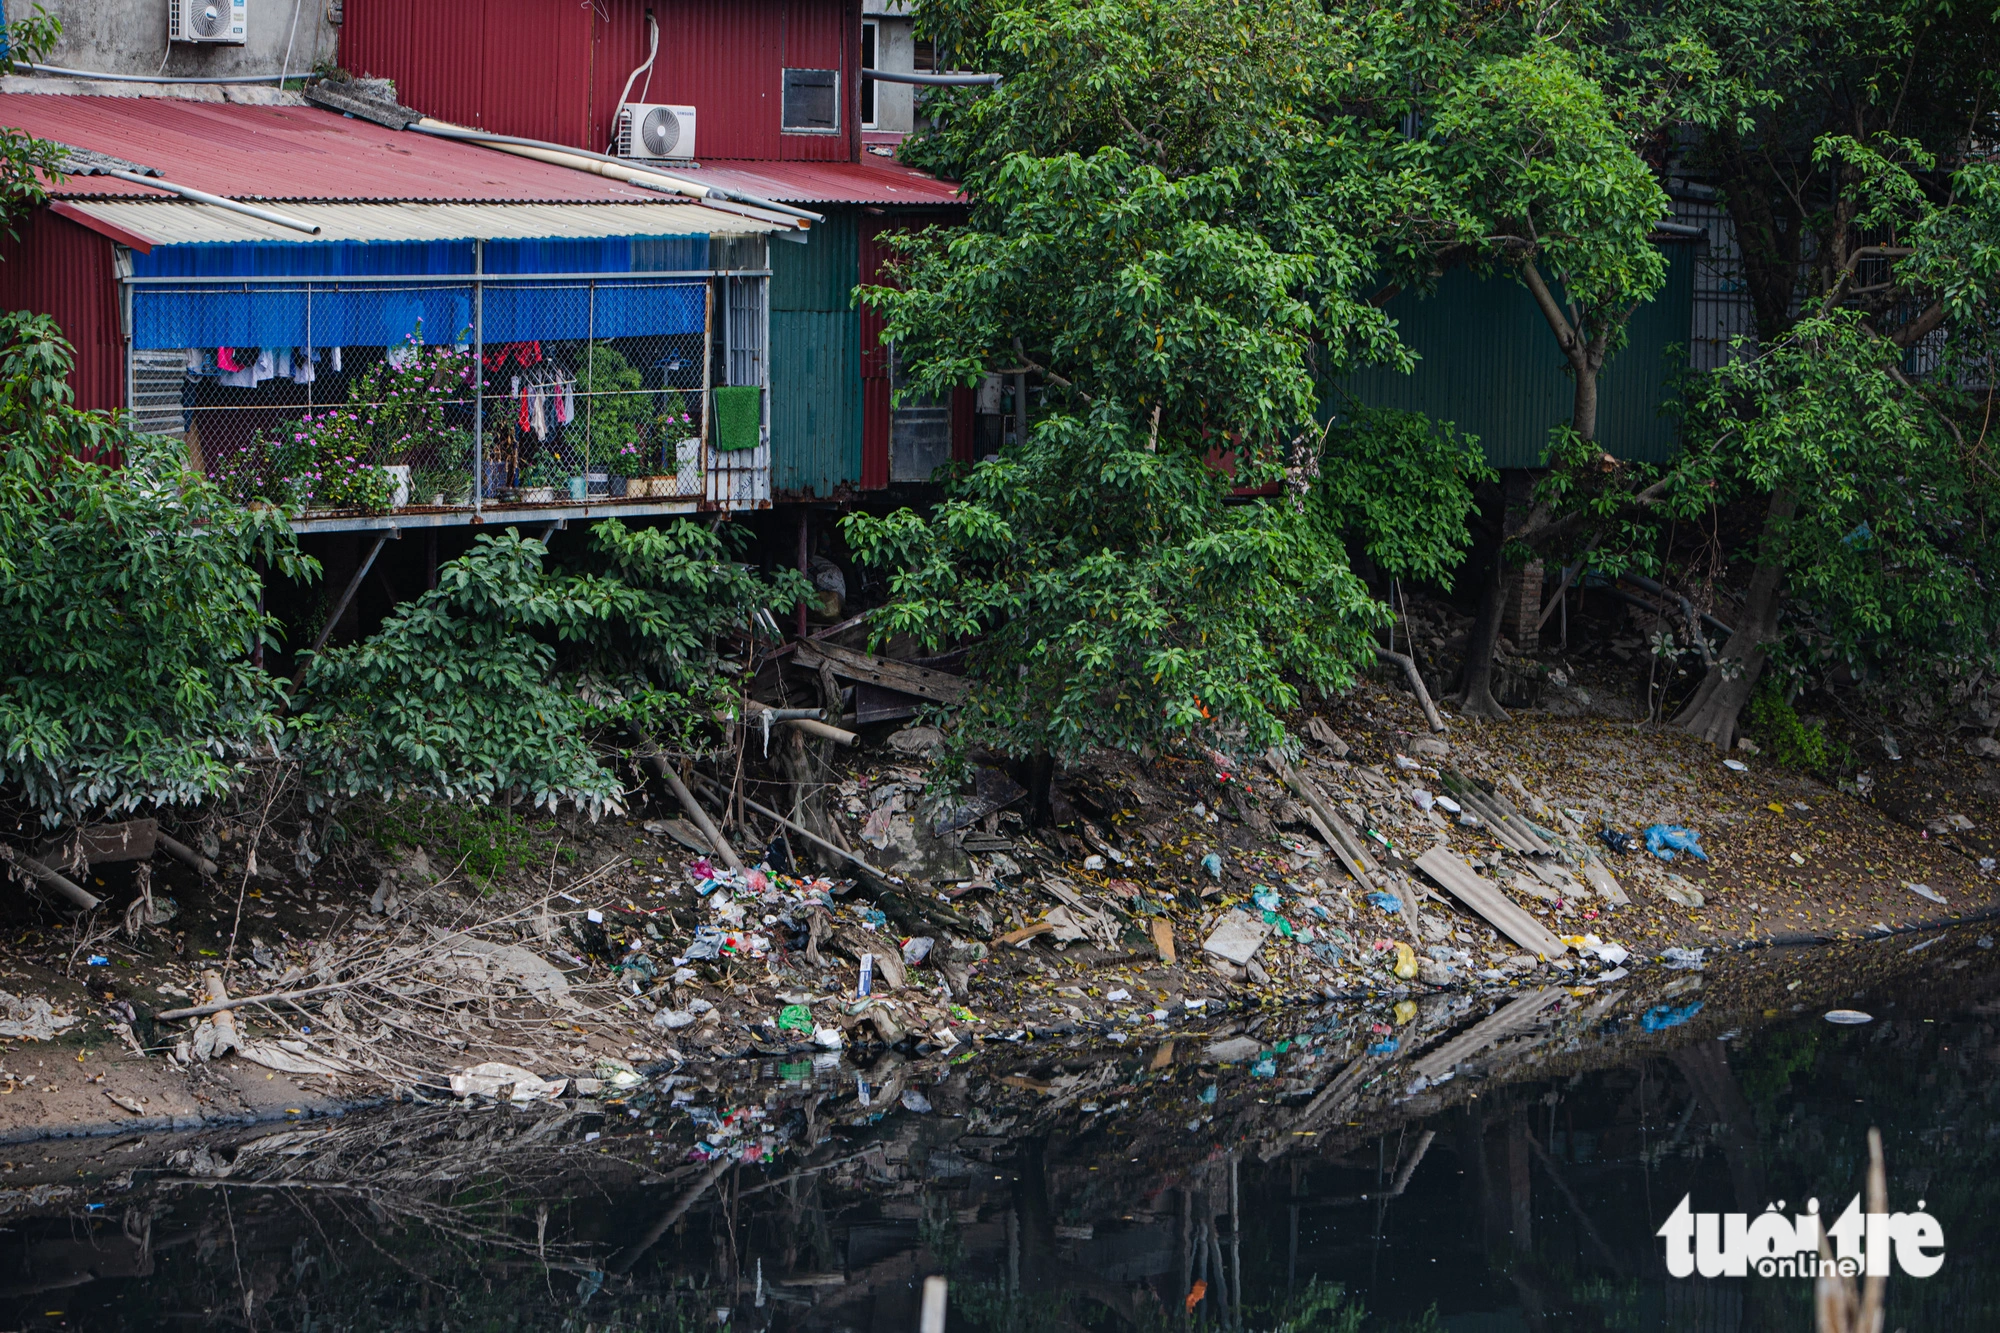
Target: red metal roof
877,181
291,153
303,153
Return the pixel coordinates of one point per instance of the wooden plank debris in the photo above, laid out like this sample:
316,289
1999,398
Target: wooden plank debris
937,686
1482,896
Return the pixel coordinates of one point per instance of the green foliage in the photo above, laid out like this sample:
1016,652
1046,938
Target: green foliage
1529,143
491,686
1793,743
1398,486
484,841
1119,598
25,160
454,698
128,605
617,418
1892,552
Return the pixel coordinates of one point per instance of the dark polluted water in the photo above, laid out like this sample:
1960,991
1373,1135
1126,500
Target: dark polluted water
1480,1165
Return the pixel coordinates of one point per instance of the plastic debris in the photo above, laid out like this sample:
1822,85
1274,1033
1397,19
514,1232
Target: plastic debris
1093,862
1208,1095
866,985
1848,1016
1212,863
1593,947
1681,891
915,1101
1925,891
1616,839
1664,1016
1665,840
1118,996
491,1078
1266,1066
1237,937
1387,1046
829,1037
1406,962
1736,766
1423,799
1449,806
1387,902
1266,897
1405,1012
917,948
1679,958
673,1018
795,1018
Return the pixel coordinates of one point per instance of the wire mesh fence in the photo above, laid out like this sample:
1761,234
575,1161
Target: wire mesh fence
369,396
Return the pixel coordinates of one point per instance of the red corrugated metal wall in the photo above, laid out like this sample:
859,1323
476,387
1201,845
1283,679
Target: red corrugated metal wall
553,69
511,66
874,360
60,269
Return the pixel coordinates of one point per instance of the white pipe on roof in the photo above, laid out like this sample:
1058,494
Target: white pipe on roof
143,78
578,159
213,200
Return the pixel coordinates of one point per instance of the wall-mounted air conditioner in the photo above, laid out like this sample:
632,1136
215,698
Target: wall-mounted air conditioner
206,21
649,129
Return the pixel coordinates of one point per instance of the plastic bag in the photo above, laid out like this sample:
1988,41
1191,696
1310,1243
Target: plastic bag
1663,840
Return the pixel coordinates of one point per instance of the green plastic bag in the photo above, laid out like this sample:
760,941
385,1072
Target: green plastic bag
738,414
795,1018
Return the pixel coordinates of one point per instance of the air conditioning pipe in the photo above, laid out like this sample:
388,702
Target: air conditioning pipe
620,169
932,80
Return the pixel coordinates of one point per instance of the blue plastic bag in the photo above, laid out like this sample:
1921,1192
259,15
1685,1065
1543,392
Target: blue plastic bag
1388,902
1663,840
1266,897
1662,1017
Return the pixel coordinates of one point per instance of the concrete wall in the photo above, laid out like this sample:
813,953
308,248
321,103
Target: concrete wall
895,48
130,37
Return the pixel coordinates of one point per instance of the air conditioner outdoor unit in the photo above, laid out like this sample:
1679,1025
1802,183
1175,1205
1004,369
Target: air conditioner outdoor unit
206,20
649,129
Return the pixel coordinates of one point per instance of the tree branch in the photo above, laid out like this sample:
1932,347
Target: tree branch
1545,299
1046,373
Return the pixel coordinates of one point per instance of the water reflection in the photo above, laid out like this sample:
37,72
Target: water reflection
1447,1163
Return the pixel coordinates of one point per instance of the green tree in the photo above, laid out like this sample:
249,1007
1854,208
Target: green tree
1166,240
128,606
1838,137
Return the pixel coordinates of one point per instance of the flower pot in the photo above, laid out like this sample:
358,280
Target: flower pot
539,495
495,478
400,474
579,488
621,487
597,483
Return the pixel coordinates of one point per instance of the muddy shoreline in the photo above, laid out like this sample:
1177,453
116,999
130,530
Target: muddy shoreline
515,970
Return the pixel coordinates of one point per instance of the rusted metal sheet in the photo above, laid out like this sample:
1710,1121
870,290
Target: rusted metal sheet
63,270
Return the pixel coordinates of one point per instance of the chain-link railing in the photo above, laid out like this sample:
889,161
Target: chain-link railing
371,395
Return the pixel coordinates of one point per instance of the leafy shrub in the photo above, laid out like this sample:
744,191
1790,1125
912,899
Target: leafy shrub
1793,742
128,605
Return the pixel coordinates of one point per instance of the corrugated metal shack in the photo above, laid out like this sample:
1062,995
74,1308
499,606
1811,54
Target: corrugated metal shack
555,70
1490,365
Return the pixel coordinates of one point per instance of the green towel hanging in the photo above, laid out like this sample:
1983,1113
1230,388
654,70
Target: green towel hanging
738,413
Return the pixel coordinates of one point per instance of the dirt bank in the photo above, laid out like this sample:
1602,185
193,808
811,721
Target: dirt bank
582,956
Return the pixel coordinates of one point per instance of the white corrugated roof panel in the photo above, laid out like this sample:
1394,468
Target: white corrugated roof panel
179,222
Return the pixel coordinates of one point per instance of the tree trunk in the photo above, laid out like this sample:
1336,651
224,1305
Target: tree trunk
1475,696
1583,410
1713,712
1041,787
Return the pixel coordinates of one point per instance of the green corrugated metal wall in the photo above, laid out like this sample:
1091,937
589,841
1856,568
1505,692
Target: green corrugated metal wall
816,360
1489,364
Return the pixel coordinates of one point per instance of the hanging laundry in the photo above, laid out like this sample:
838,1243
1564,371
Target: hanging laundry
225,358
262,367
522,354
